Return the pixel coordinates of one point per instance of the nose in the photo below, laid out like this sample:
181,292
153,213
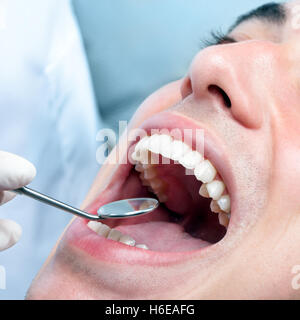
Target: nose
234,77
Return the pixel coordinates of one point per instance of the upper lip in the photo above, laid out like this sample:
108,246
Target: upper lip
213,151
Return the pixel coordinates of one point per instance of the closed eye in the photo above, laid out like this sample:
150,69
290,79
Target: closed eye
217,38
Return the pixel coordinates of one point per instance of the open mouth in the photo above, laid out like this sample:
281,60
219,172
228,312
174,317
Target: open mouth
195,204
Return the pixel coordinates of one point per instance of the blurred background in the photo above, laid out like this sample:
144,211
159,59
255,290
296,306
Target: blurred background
70,68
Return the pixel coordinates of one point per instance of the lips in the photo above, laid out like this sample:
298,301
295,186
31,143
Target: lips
170,235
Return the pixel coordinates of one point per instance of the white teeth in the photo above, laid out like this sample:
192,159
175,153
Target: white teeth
94,225
135,156
179,149
100,228
144,157
215,189
141,156
114,235
141,153
154,144
203,191
103,230
224,203
142,144
148,177
139,168
224,219
214,207
180,152
205,172
142,246
166,146
127,240
191,159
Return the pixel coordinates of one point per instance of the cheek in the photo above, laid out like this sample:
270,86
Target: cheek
287,174
159,101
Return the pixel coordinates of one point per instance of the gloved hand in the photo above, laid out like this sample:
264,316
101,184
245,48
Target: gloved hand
15,172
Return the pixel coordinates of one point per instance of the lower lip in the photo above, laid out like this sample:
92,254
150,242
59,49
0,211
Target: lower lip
81,237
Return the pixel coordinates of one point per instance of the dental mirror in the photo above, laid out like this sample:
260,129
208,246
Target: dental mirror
115,210
127,208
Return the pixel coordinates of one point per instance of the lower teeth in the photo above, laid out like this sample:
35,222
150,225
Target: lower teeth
142,246
113,234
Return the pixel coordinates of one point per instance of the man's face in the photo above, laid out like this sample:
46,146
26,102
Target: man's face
244,93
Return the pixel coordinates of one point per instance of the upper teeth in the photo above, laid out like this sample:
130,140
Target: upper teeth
176,150
205,172
191,160
224,203
215,189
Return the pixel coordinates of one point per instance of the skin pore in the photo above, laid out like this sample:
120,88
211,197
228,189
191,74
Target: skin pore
257,66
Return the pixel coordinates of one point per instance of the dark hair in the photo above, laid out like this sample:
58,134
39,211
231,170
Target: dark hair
271,12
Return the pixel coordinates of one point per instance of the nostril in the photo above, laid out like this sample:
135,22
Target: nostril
220,92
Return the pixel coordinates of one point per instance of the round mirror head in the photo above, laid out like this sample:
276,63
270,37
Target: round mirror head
128,208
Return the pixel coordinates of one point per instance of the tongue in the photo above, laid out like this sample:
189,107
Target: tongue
156,230
161,235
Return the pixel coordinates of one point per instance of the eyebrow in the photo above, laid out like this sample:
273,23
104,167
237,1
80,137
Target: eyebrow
270,12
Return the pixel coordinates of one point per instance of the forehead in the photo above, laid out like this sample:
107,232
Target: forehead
291,4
